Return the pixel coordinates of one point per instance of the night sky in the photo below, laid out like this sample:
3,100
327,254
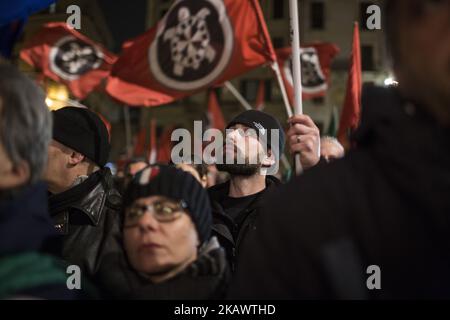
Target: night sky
125,19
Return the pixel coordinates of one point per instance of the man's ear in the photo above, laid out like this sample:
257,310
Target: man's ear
75,158
268,159
17,176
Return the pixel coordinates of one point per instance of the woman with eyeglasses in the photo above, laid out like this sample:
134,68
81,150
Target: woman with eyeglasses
168,251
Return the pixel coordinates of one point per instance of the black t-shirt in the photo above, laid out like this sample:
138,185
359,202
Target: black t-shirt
235,207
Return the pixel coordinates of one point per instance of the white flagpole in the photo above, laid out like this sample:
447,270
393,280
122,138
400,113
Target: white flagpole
295,43
237,95
276,69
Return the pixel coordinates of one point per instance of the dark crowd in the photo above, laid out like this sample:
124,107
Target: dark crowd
187,231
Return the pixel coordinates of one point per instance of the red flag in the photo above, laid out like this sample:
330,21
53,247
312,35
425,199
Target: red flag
165,145
352,106
65,55
215,115
198,44
259,104
315,63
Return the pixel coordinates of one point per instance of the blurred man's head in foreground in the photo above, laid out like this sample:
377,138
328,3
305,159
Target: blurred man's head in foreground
25,130
418,38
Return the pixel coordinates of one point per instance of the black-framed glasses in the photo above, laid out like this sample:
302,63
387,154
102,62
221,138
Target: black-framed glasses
163,211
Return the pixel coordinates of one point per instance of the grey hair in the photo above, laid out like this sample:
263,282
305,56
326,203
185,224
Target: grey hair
25,121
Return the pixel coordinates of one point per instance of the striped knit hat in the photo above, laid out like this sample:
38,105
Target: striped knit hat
175,184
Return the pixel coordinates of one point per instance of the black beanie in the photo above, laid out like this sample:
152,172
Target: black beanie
173,183
83,131
259,120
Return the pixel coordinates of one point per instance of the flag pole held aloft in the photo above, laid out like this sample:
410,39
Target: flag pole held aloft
295,43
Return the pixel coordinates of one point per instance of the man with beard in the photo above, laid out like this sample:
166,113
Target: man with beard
254,143
374,224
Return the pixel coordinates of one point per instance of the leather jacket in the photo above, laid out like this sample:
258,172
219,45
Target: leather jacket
88,218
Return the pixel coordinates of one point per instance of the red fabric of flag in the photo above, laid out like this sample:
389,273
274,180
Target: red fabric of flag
350,114
198,44
315,62
66,56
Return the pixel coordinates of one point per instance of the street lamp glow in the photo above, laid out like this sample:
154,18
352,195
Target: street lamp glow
390,82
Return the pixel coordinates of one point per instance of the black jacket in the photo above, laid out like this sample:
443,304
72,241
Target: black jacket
385,204
88,217
205,278
27,241
230,234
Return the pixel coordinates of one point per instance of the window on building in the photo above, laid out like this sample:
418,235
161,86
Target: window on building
318,101
249,89
278,42
268,90
278,9
367,58
317,15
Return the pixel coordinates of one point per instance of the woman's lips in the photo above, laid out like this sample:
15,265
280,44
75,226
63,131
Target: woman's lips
149,246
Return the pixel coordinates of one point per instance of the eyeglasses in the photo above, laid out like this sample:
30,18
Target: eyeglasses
162,211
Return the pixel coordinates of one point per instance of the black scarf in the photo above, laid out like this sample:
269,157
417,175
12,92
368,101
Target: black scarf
61,201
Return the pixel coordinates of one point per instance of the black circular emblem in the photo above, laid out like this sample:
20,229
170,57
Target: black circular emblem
70,58
313,79
312,76
192,46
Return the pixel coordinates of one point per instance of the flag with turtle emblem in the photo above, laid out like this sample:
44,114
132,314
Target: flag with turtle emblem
66,56
198,44
316,62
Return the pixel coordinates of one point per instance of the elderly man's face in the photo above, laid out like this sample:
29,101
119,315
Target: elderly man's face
423,61
57,163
